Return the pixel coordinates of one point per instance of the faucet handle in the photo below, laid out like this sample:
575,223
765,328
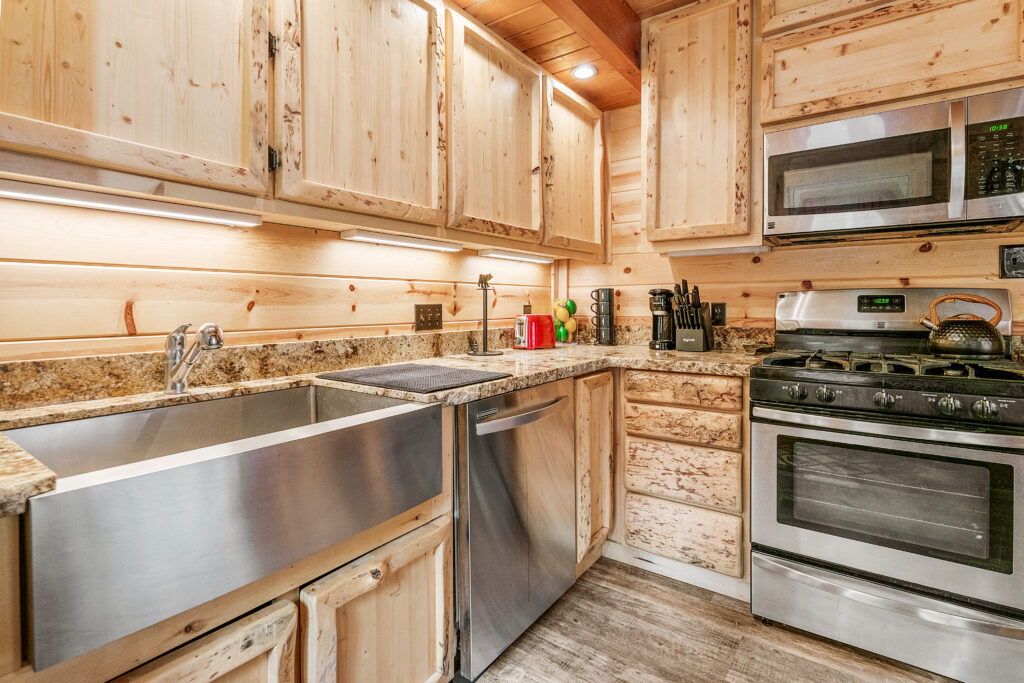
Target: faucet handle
182,329
176,339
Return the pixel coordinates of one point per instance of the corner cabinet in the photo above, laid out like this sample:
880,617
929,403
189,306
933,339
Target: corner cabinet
360,102
573,170
696,122
893,52
176,90
595,444
386,617
496,121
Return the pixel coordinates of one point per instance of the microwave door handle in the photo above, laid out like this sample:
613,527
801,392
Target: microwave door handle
826,583
958,157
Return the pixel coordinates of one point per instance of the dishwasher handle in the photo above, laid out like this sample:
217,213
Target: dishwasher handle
533,414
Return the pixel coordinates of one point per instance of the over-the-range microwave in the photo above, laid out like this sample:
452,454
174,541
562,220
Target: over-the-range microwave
948,167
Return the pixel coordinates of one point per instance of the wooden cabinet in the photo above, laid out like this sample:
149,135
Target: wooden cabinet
704,427
259,648
386,617
679,388
573,164
684,472
496,122
174,89
695,171
787,15
595,442
892,52
359,104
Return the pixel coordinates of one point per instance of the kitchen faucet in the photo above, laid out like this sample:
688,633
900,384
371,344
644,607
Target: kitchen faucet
179,362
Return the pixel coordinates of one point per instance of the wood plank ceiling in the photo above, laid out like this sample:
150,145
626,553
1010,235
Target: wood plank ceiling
562,34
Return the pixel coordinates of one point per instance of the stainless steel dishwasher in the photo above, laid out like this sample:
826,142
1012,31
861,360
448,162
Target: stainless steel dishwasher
516,516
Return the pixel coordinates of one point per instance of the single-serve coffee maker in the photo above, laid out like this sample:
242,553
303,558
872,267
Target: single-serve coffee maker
663,333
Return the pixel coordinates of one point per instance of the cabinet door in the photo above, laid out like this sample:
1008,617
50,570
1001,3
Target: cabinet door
257,649
496,119
386,617
175,89
696,122
595,442
787,15
360,96
896,51
573,162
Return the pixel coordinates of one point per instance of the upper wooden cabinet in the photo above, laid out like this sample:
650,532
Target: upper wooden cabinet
359,103
174,89
573,163
901,50
695,170
786,15
496,121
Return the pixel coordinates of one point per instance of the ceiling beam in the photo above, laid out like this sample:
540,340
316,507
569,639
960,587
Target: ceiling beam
610,26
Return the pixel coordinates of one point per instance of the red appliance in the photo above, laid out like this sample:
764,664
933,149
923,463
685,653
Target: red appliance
534,332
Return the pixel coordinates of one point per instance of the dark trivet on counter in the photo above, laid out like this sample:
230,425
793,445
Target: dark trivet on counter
680,320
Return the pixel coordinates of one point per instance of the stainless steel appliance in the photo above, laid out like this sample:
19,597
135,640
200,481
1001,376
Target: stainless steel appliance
887,485
516,516
933,168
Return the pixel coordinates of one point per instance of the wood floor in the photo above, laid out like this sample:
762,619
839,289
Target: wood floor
619,623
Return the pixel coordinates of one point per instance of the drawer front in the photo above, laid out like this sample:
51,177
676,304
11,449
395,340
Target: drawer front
684,424
705,391
693,474
698,536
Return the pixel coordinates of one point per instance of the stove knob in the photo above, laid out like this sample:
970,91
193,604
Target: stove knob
797,392
984,408
883,399
825,394
949,405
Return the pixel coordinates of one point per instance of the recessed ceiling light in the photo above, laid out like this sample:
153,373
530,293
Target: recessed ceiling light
399,240
584,71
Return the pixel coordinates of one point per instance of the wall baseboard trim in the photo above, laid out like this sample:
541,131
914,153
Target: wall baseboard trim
695,576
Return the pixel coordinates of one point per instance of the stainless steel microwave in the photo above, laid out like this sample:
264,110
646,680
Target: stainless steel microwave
937,168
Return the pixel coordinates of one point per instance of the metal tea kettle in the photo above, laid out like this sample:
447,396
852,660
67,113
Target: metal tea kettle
964,334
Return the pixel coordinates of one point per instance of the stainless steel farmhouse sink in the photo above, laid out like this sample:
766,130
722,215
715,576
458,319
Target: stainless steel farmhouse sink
157,511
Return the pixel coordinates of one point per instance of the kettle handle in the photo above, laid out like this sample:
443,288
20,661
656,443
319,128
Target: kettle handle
933,314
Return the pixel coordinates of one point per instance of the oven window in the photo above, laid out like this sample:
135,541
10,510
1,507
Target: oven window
951,509
907,170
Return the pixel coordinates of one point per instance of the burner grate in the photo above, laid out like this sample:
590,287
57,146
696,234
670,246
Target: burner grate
898,364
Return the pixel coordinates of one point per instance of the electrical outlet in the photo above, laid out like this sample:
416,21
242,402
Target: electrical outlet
428,317
1011,260
527,309
718,314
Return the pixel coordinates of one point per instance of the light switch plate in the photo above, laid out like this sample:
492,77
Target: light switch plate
1011,260
428,317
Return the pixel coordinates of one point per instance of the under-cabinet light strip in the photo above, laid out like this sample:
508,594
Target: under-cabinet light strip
87,199
399,240
515,256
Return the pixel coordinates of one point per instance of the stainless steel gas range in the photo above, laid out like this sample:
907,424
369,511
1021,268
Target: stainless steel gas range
887,485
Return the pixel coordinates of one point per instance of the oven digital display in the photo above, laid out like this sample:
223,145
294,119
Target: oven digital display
892,303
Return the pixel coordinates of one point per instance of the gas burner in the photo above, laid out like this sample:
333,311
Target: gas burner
898,364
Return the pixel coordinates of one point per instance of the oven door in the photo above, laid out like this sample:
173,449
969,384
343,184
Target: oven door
932,507
895,168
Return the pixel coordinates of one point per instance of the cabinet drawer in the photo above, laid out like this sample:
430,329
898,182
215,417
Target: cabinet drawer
706,391
698,536
684,424
694,474
894,52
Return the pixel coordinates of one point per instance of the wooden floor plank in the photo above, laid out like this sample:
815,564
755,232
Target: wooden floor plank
620,623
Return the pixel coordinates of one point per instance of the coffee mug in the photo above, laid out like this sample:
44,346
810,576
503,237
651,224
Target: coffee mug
604,320
603,294
601,307
605,336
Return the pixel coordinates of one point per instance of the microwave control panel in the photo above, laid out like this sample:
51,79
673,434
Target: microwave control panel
995,158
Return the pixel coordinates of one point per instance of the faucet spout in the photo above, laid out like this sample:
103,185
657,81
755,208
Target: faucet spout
179,362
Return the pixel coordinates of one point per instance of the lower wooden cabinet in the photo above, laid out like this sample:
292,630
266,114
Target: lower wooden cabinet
386,617
259,648
595,443
684,424
686,473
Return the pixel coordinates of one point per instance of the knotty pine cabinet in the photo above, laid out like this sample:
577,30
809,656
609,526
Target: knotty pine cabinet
259,648
892,52
360,106
695,110
175,90
595,444
496,117
787,15
682,468
386,617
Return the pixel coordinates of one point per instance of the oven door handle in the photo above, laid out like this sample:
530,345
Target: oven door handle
1000,629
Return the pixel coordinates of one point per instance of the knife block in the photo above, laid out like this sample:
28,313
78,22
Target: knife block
691,340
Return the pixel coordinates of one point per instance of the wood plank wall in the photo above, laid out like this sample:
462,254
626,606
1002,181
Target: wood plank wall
81,282
748,283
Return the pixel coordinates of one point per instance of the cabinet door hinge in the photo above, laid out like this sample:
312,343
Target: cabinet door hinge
272,45
273,160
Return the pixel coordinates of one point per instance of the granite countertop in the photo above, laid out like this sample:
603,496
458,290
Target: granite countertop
22,476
